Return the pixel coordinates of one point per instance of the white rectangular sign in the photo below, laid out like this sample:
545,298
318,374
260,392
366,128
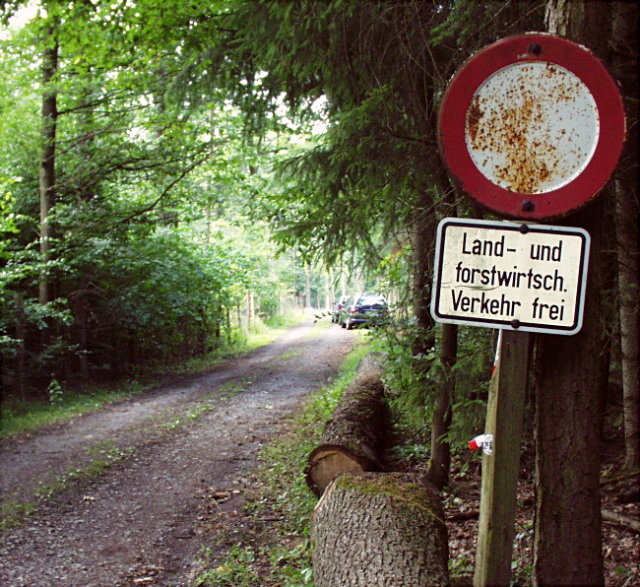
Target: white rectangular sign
512,275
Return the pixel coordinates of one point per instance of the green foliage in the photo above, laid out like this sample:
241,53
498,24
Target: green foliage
152,255
176,164
379,68
56,394
375,176
289,567
461,566
410,376
235,572
412,380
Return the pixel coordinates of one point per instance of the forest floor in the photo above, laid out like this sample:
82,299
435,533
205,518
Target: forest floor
134,492
620,495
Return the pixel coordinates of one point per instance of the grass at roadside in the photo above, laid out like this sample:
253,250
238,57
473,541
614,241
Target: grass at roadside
282,554
19,417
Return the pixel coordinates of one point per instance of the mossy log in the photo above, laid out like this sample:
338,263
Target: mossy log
380,530
355,432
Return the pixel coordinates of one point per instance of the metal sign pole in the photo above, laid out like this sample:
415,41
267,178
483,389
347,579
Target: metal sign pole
505,411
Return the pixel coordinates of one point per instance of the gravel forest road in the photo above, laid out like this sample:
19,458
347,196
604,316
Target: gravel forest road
136,521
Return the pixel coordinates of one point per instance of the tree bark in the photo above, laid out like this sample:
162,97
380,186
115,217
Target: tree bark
424,236
21,336
568,535
423,241
624,41
568,525
307,287
628,252
354,434
440,461
379,530
250,311
82,310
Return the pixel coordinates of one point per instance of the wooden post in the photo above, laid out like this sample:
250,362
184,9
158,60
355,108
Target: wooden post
505,412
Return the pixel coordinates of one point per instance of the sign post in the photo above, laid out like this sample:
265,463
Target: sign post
531,127
505,413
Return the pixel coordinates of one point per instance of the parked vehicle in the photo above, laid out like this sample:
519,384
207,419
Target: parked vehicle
340,309
367,310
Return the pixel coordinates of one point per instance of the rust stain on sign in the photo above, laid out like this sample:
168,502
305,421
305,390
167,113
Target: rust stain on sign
530,127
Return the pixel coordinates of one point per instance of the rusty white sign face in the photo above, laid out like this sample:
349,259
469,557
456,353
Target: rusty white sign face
532,126
516,276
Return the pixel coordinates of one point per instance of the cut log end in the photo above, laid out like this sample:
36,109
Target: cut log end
327,462
379,530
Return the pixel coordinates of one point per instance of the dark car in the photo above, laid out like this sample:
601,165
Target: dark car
340,309
367,310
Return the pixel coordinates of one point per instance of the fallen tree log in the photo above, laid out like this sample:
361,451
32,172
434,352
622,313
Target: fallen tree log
379,530
621,520
355,432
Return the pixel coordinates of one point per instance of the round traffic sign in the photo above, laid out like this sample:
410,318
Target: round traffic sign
532,126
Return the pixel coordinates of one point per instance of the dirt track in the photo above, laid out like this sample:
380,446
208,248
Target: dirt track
136,522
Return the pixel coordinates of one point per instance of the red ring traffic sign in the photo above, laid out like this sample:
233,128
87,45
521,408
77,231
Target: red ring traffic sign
532,126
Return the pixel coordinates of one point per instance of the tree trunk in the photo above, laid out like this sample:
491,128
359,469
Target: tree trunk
354,434
625,60
629,323
47,176
379,530
250,312
424,235
329,295
81,311
307,287
423,243
440,462
568,532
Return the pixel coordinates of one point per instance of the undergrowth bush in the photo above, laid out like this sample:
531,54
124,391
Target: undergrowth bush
412,378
